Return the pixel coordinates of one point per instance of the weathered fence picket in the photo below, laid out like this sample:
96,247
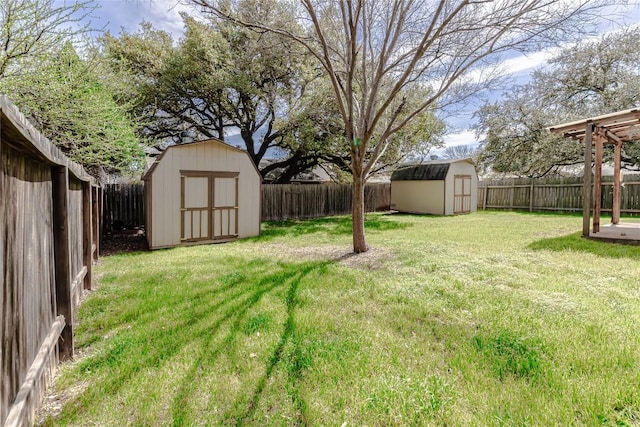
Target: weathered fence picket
49,209
554,194
123,205
296,201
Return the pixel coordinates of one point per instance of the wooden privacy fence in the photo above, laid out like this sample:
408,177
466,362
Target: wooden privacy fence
123,206
49,222
124,203
554,194
296,201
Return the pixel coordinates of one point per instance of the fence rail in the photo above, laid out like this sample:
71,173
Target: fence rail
295,201
49,218
554,194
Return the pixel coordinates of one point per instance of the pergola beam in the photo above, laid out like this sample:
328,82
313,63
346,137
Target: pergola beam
620,117
609,136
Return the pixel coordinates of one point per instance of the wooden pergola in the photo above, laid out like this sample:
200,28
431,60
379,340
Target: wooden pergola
615,128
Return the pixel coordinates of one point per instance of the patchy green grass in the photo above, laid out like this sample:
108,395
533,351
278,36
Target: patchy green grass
486,319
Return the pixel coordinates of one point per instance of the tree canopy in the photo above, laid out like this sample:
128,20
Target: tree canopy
584,80
68,98
221,78
71,106
32,29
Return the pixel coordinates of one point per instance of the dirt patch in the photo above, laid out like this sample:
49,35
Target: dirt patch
123,242
373,259
53,403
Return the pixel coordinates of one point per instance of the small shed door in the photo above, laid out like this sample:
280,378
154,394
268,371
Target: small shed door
225,207
461,194
195,218
209,205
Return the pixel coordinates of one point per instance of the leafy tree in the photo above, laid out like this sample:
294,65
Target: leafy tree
389,62
588,79
465,151
318,119
31,29
222,77
164,78
71,106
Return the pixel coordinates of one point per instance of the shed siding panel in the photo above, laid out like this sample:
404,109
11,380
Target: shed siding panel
248,201
171,206
449,188
418,196
461,168
474,190
166,201
148,218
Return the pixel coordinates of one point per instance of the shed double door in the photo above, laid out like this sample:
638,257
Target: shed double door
209,205
461,194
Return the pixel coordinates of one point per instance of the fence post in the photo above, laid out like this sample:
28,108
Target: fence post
531,195
101,215
511,192
87,232
96,221
486,196
62,256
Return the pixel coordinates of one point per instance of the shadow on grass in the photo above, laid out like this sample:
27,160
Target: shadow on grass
337,225
575,242
201,318
289,279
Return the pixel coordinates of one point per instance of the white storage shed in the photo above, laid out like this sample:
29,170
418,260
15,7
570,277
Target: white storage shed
441,187
201,192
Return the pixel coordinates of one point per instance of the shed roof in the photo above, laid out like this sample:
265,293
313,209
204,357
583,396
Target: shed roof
435,170
153,167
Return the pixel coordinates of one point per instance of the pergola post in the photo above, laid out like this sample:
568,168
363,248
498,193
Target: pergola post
586,189
617,154
613,128
597,183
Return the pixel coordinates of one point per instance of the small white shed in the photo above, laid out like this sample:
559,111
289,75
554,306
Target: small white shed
440,187
201,192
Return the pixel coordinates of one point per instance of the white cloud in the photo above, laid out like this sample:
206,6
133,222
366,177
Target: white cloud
128,14
464,137
528,62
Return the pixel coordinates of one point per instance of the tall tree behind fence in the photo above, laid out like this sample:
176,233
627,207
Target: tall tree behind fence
49,222
554,194
295,201
123,205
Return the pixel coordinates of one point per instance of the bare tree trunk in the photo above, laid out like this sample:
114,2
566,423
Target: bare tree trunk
357,213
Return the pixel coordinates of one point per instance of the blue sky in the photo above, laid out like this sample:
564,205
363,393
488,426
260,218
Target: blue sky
164,14
128,14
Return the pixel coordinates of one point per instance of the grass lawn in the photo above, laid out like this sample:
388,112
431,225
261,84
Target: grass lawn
486,319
